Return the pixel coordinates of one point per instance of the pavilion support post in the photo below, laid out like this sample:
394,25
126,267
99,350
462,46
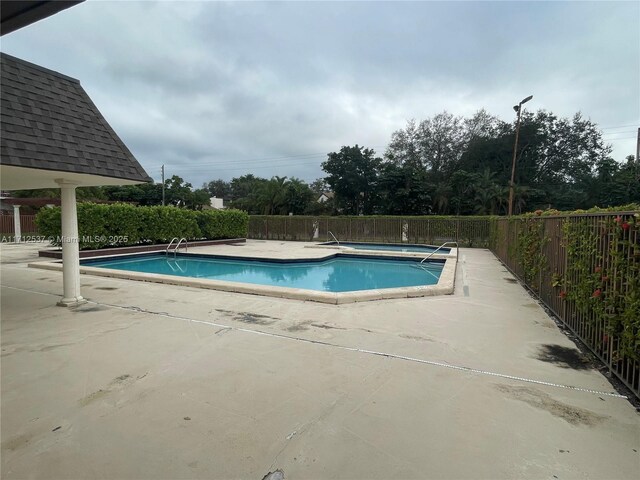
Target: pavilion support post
17,232
70,246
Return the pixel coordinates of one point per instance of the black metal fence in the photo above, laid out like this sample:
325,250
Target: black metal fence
586,269
467,231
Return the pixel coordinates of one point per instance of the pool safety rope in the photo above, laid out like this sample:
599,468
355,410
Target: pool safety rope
342,347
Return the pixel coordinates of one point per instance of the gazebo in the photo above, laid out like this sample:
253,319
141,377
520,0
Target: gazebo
52,135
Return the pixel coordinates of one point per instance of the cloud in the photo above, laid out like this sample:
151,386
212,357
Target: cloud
221,89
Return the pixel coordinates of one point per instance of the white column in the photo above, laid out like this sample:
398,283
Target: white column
17,232
70,247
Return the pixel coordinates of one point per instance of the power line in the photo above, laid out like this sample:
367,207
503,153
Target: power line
233,162
246,167
619,133
268,159
262,160
259,160
619,138
259,167
619,126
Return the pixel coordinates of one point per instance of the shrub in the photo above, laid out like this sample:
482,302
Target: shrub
223,223
120,224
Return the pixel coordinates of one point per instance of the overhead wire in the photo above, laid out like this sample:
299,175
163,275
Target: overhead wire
251,163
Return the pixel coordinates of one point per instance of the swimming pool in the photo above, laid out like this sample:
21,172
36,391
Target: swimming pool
390,247
335,274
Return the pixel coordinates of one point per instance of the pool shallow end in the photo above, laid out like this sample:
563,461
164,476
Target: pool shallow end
445,285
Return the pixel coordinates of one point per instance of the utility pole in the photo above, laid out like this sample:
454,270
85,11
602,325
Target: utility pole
638,149
518,109
163,185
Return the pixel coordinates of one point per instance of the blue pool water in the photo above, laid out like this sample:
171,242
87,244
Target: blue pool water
342,273
390,247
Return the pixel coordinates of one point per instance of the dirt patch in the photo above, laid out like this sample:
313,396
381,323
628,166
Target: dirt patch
543,401
250,318
119,380
88,308
16,442
253,319
299,327
48,348
416,337
564,357
107,288
115,384
327,327
510,280
97,395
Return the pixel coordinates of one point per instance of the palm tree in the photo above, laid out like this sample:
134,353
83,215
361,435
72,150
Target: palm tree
441,197
487,193
272,194
520,195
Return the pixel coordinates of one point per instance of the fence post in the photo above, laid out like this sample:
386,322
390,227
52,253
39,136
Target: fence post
16,224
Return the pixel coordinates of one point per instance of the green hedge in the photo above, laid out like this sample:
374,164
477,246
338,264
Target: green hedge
223,223
121,224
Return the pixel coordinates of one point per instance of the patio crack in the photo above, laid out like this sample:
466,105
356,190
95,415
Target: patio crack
305,427
389,355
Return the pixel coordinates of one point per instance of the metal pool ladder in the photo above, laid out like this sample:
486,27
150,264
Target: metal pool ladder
334,237
174,239
436,250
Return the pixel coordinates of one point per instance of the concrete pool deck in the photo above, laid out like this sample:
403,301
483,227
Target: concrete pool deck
444,286
157,381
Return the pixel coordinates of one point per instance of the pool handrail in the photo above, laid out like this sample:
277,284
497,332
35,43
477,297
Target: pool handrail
434,252
334,237
174,239
422,267
175,249
186,246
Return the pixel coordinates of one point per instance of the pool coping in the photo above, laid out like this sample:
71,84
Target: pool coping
453,252
445,285
148,248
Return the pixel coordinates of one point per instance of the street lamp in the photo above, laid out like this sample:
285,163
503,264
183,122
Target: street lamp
518,109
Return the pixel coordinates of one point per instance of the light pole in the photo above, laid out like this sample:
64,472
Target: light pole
518,109
163,185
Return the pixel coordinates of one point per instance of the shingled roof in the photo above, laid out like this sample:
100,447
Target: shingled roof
49,122
19,13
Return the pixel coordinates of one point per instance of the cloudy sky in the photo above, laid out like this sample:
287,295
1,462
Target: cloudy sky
217,90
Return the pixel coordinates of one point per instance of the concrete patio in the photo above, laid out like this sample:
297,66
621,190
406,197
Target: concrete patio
159,381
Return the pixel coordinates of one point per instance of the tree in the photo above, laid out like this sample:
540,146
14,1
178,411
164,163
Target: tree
319,186
272,195
353,175
177,192
404,190
198,199
298,197
488,193
462,184
218,188
142,194
405,147
244,186
245,193
442,139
